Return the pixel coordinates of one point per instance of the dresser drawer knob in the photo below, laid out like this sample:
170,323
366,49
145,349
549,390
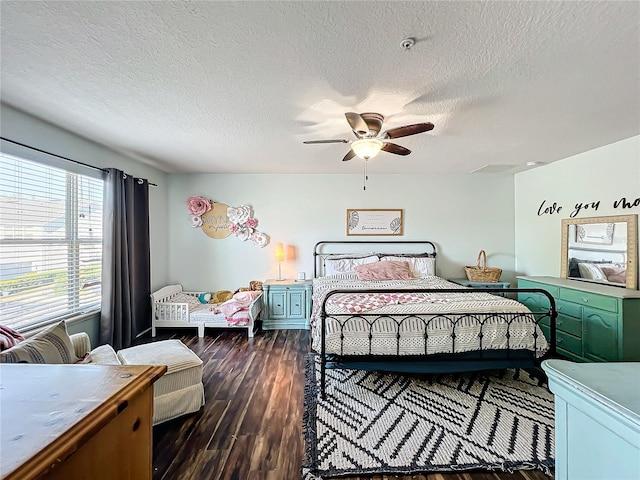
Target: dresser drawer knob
585,300
559,340
559,323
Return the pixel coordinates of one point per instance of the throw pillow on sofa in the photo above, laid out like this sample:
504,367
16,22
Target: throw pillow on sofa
9,337
52,345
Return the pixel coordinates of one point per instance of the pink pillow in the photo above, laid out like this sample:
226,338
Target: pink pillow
384,271
615,274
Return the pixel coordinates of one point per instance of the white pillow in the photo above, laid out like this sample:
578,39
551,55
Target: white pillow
336,266
420,266
591,271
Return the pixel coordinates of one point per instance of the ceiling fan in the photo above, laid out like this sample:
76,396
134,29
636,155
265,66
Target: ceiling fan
369,141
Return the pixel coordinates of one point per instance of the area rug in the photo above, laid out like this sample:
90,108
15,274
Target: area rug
384,423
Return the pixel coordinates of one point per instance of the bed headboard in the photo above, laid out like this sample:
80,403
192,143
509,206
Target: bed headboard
327,249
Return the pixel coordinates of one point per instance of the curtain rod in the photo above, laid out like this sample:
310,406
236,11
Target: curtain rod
60,156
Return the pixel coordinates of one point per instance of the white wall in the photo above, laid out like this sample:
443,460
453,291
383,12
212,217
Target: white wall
21,127
459,213
605,174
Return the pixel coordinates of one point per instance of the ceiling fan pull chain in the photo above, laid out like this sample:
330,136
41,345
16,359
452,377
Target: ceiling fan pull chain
366,177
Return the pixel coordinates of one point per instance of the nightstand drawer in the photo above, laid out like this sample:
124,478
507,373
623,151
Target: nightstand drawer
277,304
296,305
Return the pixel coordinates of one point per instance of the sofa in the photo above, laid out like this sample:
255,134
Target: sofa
178,392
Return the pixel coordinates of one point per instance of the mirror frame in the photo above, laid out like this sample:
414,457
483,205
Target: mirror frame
631,279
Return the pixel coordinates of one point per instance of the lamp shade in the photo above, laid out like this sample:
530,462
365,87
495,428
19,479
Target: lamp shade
278,252
367,147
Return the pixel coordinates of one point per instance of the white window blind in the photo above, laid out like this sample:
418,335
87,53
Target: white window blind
50,243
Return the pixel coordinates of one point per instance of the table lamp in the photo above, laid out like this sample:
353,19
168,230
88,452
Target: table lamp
278,254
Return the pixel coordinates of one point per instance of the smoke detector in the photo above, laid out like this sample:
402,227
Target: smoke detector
407,43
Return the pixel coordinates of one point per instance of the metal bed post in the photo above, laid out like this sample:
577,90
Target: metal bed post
323,360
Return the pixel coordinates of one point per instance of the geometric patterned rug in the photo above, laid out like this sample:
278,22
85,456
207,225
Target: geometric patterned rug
389,423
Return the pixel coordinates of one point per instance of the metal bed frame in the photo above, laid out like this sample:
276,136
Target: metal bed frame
430,362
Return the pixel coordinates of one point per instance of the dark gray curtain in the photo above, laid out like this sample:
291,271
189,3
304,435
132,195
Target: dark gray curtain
126,260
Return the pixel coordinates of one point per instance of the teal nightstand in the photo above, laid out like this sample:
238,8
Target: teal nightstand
492,285
287,304
469,283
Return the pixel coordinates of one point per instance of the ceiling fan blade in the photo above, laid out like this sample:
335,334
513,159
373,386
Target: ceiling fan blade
310,142
358,125
374,122
397,149
408,130
350,154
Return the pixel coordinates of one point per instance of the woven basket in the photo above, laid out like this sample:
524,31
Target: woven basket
482,273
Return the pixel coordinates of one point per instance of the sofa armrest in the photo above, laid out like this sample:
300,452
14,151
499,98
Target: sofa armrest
104,355
81,344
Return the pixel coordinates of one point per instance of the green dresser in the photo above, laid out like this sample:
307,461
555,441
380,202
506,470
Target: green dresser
287,304
596,323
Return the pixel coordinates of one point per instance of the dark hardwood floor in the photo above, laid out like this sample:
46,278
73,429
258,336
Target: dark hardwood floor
251,425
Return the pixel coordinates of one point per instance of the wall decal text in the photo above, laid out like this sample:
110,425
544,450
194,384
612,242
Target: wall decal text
550,209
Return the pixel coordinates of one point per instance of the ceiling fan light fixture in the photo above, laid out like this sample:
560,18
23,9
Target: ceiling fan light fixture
367,148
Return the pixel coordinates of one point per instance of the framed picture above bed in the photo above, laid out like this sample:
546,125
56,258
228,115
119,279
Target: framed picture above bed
374,222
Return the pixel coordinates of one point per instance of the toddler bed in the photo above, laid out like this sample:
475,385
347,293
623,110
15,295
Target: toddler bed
172,307
390,311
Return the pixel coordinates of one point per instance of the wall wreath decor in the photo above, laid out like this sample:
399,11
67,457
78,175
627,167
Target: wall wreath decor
219,220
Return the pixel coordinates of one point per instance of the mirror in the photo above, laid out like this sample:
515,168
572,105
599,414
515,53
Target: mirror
601,250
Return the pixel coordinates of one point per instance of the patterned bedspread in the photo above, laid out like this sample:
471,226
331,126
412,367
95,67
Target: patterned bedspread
506,323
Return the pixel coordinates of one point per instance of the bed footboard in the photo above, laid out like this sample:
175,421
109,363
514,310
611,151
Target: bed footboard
429,360
167,312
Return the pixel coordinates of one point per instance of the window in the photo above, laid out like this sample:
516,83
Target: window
50,243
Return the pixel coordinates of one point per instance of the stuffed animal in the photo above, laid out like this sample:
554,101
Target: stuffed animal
204,297
221,296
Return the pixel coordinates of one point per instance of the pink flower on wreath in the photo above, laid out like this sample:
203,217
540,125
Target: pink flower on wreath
252,223
234,227
198,205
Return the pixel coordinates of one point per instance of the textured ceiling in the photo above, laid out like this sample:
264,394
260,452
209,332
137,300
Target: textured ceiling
236,87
